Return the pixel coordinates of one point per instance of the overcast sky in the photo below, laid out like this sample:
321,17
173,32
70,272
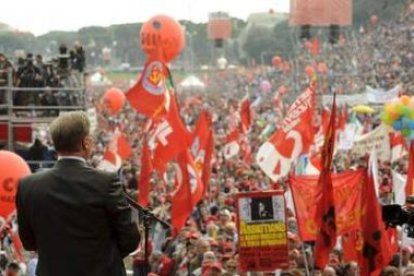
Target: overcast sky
41,16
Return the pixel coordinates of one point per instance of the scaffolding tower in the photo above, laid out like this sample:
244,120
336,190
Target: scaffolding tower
28,116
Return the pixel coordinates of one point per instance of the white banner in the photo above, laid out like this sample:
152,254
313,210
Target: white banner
346,137
351,100
380,96
378,139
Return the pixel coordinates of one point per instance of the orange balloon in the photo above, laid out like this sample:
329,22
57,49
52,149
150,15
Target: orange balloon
322,68
310,71
162,35
405,100
276,61
114,100
12,168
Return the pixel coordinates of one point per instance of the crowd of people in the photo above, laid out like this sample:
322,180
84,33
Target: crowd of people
207,245
64,71
380,54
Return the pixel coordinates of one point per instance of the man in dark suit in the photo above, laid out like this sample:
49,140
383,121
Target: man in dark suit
75,217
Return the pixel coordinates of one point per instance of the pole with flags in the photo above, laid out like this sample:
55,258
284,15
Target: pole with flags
326,237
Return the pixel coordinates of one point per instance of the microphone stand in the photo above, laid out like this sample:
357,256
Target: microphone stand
148,217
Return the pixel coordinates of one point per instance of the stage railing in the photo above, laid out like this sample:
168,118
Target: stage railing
27,115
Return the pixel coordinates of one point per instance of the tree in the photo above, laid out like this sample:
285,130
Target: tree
259,42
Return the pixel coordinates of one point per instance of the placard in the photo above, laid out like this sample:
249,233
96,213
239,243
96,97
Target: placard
262,230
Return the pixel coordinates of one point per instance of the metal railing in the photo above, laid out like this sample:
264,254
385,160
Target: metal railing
13,115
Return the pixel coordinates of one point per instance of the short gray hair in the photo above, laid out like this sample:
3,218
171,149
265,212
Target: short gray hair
68,130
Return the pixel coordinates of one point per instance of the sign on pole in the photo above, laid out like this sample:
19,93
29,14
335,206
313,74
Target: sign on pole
261,224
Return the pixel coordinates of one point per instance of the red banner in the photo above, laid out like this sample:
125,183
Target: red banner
347,196
261,225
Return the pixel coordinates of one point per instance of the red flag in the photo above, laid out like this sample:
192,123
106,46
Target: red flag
293,137
17,246
205,176
232,146
325,117
315,46
245,115
149,95
352,246
123,147
409,187
347,195
203,146
168,137
144,184
326,238
188,193
376,251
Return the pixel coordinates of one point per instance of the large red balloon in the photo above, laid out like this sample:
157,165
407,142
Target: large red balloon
162,35
12,168
114,100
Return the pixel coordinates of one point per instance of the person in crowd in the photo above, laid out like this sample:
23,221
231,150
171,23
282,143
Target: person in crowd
13,269
37,152
75,210
28,76
5,67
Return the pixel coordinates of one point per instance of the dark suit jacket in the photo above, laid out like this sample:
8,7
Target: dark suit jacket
77,219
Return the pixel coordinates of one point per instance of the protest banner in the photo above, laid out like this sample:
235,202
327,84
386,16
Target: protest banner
380,96
378,139
347,196
261,225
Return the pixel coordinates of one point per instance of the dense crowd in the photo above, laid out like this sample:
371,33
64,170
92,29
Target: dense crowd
380,55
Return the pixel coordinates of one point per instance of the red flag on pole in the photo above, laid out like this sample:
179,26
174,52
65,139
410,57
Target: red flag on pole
202,147
376,250
144,183
149,95
315,46
168,137
188,192
124,148
409,187
293,137
245,115
326,237
205,176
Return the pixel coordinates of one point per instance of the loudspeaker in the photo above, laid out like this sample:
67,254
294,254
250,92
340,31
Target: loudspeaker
333,34
305,32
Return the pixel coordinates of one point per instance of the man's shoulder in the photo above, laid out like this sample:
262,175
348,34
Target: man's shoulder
103,174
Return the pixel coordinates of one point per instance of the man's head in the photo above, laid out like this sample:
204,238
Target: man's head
13,269
70,134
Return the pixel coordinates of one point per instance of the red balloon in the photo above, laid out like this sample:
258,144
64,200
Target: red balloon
310,71
276,61
12,168
162,35
322,68
114,100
